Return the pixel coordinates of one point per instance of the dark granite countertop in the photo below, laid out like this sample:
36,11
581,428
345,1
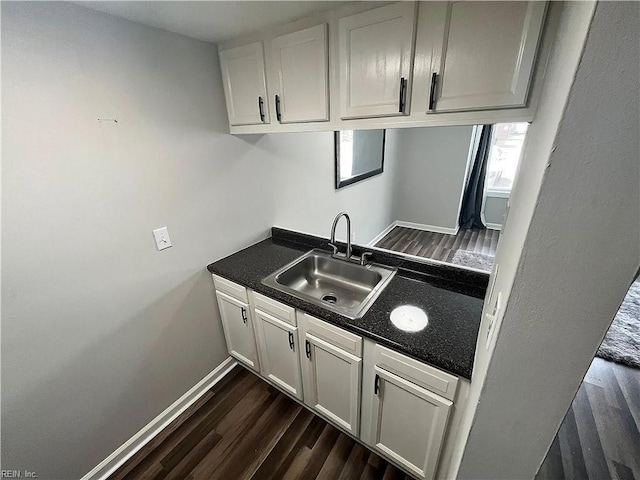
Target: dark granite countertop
452,299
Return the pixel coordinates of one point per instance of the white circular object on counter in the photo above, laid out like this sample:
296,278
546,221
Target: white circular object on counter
409,319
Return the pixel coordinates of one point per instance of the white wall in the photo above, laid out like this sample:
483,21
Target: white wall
100,332
430,174
308,200
562,266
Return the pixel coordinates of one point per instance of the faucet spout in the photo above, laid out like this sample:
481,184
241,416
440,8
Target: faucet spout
333,234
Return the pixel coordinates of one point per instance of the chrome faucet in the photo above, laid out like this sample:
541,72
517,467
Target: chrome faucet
332,244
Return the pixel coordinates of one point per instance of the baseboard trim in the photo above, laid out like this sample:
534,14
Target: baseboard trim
416,226
493,226
381,235
428,228
155,426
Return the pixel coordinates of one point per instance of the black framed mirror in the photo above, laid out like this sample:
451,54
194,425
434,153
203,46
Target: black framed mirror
359,155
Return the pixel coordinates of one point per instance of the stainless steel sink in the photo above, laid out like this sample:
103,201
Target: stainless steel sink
336,284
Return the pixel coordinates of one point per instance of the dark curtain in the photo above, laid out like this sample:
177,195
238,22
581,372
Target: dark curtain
472,199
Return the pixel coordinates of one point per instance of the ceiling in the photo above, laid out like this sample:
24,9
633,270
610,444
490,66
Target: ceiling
210,21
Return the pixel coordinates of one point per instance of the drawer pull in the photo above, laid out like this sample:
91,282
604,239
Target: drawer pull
291,344
244,315
376,385
307,348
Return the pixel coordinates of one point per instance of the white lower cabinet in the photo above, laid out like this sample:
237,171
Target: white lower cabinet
332,375
403,416
278,346
408,422
238,330
398,406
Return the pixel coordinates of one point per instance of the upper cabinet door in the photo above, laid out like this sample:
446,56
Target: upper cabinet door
299,76
488,55
245,89
376,50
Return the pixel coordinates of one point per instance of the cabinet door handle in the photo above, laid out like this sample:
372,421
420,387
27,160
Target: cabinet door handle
244,315
291,344
376,385
278,114
261,108
307,348
403,94
432,93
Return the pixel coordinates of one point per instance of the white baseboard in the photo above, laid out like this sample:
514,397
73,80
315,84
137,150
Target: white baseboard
155,426
381,235
428,228
493,226
416,226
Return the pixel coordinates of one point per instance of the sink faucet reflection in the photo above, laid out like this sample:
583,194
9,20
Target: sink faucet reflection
332,244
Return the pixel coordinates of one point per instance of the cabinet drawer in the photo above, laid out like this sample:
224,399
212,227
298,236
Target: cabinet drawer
232,289
428,377
334,335
279,310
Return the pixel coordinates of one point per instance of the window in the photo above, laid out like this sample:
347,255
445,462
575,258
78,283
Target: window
504,153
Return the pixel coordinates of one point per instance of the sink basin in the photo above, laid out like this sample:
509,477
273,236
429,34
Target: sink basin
333,283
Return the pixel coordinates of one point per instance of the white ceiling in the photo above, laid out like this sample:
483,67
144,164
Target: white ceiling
210,21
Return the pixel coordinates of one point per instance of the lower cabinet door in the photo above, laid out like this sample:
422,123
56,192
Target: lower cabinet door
238,330
280,362
408,422
332,379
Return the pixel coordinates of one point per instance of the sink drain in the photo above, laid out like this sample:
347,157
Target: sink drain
329,298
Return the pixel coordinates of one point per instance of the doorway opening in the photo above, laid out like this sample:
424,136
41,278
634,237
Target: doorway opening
600,434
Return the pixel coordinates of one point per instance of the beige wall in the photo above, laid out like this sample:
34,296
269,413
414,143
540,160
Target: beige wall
100,331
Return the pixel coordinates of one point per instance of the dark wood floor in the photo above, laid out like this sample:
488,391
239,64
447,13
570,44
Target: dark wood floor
439,246
599,438
245,429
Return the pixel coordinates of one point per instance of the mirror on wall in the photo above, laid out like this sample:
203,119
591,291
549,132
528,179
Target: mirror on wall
359,155
443,194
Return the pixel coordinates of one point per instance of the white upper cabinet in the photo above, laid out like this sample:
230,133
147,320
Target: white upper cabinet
299,76
376,61
404,64
245,90
487,55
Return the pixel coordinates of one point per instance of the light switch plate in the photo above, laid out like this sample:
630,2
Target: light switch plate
162,238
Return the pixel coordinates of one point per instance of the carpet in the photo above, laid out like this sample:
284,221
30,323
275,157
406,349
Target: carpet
474,260
622,342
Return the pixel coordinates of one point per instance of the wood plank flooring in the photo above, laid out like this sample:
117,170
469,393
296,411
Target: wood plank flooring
245,429
439,246
599,438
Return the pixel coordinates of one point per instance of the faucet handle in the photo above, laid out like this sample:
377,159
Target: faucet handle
335,249
363,258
